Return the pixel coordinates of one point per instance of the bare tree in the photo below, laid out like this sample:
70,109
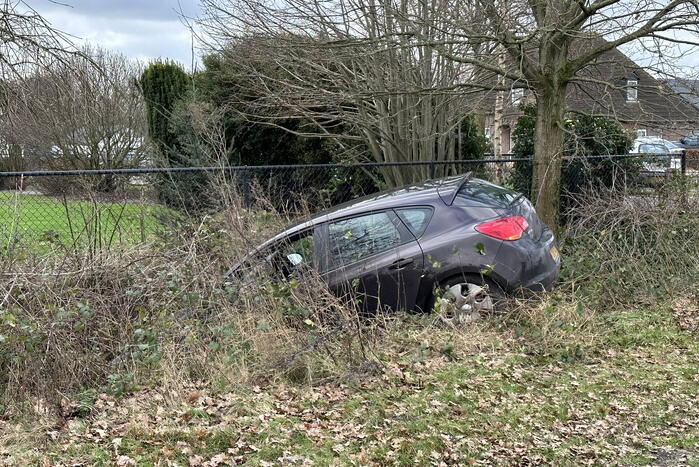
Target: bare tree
379,64
554,45
82,113
28,41
353,69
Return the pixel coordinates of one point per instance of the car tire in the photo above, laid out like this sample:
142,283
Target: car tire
465,299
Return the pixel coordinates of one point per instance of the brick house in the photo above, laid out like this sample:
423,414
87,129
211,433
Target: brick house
616,87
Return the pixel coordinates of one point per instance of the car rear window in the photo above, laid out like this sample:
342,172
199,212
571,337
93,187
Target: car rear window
415,218
478,192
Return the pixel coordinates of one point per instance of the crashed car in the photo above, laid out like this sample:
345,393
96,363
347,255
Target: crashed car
458,240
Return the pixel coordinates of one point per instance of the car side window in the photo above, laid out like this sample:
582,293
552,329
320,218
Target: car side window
299,250
291,254
415,218
357,238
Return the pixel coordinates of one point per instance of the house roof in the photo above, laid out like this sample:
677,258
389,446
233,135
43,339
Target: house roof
687,89
601,89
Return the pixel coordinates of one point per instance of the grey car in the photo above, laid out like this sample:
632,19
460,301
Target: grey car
458,239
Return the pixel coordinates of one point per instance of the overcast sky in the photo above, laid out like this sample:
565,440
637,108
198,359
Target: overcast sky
148,29
141,29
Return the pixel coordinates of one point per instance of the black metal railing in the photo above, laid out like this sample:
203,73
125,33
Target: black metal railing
44,210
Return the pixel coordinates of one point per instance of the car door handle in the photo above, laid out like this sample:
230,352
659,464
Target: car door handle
401,263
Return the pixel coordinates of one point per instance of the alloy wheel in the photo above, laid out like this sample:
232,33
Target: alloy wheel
465,303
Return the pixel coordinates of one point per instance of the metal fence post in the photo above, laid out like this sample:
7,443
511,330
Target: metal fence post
683,181
431,171
683,162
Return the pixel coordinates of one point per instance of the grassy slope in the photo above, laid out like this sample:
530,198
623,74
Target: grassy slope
37,221
630,397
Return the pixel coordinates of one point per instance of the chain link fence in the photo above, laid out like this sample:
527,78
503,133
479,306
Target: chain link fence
44,211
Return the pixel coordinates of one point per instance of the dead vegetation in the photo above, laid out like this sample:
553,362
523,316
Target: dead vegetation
85,340
630,247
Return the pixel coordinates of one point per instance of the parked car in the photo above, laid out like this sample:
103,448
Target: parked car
690,141
459,239
668,154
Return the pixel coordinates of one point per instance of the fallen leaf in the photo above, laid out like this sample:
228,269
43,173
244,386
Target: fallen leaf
125,461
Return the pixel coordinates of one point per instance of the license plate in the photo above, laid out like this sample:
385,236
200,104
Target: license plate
554,253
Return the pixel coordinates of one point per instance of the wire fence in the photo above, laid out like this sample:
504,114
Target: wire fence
43,211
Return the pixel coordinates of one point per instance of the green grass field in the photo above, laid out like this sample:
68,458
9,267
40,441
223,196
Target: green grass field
39,223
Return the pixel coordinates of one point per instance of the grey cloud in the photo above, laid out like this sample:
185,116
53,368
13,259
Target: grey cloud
161,10
142,30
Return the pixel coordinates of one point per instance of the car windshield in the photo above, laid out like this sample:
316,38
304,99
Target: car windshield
653,149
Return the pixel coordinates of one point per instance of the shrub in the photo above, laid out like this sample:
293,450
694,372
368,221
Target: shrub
624,248
692,156
165,87
190,192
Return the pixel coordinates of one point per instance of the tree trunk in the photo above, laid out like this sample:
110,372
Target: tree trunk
497,121
549,142
498,116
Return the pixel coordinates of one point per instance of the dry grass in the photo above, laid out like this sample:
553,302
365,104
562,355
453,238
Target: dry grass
83,338
163,315
624,247
126,319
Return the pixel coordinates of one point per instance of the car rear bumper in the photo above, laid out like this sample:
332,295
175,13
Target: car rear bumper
544,281
543,271
530,264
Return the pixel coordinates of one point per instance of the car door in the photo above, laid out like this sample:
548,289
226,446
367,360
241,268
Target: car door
363,260
411,258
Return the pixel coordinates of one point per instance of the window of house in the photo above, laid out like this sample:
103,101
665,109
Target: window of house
357,238
516,96
641,133
632,91
487,132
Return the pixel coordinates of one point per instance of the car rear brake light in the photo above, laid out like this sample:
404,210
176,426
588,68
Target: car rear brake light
505,228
